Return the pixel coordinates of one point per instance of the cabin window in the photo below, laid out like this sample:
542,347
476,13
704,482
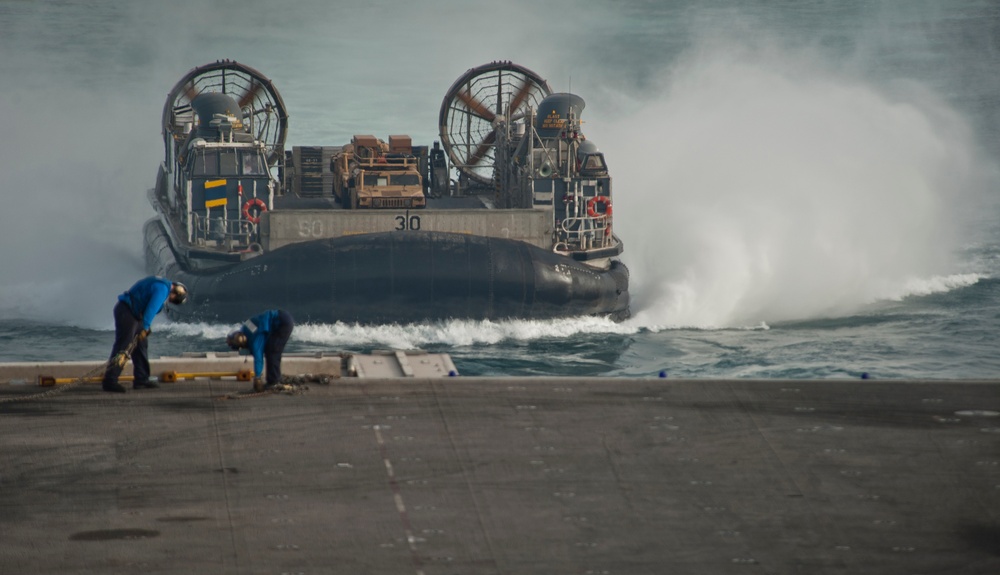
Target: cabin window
206,163
227,163
594,162
252,164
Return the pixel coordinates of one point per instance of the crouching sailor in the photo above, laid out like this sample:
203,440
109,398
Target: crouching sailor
265,335
134,315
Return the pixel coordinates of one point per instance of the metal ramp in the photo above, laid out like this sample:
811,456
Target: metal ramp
414,363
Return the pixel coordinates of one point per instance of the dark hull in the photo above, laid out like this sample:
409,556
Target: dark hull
394,277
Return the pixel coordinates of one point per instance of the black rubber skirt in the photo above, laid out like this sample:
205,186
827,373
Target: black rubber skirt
394,277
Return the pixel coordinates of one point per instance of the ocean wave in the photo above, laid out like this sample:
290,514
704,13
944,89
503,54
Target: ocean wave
915,287
411,336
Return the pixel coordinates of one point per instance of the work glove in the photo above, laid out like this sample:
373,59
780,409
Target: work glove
120,360
144,334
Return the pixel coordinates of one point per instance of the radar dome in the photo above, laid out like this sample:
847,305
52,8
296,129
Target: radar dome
554,112
209,106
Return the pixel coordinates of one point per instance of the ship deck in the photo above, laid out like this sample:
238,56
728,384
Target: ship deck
505,475
292,201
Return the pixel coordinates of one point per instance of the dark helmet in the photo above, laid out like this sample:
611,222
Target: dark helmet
236,339
178,293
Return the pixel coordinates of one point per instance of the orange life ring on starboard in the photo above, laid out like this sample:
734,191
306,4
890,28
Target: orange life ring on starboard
259,204
592,206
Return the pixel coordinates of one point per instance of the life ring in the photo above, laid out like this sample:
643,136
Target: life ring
592,206
251,203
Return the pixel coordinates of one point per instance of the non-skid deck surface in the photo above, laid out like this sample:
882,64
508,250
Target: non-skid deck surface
505,476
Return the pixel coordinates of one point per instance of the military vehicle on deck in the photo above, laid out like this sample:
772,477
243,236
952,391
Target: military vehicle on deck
369,173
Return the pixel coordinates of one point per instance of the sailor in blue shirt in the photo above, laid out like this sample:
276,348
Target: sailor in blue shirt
265,335
134,313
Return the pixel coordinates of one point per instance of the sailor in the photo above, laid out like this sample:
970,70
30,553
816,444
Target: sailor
265,335
134,314
249,164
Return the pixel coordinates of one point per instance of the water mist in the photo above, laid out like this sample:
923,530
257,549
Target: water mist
760,187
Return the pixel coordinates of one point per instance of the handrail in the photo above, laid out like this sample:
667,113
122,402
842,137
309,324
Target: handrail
230,235
582,233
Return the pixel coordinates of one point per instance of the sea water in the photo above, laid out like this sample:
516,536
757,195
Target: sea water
804,189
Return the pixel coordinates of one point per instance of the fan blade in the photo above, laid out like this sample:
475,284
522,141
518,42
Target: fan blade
520,96
475,107
484,147
190,93
251,94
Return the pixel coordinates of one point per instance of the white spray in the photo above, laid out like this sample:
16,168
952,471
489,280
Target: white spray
760,187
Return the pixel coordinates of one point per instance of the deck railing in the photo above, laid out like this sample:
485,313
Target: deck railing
228,235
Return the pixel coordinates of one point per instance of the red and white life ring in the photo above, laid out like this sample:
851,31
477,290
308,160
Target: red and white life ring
592,206
254,203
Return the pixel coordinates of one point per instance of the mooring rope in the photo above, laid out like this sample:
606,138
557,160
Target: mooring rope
294,385
127,352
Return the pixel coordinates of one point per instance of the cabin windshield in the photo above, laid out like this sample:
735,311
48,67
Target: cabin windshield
406,180
206,163
373,180
214,162
379,180
227,163
595,162
252,163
